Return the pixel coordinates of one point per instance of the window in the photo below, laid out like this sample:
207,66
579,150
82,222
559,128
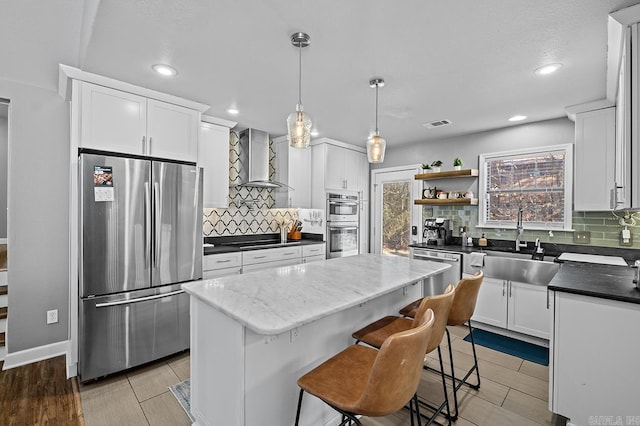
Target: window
538,180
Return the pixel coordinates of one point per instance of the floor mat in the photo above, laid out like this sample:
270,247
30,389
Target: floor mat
182,392
511,346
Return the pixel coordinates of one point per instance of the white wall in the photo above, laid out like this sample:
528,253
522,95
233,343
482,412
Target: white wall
38,176
3,170
468,147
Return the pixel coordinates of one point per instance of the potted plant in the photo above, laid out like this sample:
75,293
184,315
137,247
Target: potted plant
436,165
426,168
457,163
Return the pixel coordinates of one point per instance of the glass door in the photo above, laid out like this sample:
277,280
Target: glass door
395,215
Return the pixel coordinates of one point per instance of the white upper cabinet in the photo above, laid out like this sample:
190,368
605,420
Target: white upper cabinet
118,121
172,131
342,167
595,183
293,168
112,120
213,157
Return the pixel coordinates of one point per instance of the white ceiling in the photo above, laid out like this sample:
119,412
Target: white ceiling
467,61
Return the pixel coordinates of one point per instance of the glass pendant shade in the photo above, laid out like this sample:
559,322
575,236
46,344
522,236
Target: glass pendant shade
375,149
299,128
375,144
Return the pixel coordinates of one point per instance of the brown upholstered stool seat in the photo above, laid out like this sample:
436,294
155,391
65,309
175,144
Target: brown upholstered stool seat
462,308
364,381
375,333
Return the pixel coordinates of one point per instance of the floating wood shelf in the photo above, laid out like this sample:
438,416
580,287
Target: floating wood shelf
448,201
447,175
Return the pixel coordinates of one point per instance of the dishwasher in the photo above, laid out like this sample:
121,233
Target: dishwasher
437,283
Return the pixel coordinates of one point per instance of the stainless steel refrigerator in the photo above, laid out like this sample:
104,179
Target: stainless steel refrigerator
141,235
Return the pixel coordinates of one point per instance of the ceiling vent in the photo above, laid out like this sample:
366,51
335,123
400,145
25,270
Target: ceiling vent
438,123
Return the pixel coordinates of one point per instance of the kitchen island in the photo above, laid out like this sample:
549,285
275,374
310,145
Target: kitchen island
254,335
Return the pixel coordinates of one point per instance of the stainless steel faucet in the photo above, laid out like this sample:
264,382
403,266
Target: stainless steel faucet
519,230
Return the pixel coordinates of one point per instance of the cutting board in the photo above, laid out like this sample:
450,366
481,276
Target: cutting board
593,258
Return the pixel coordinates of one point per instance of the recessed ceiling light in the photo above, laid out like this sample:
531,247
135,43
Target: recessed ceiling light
547,69
165,70
314,133
518,118
233,111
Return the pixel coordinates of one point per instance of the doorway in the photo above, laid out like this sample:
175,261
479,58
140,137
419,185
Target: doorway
395,217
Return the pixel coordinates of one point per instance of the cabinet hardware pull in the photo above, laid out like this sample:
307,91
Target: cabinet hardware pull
223,261
510,289
259,257
140,299
503,284
144,148
149,146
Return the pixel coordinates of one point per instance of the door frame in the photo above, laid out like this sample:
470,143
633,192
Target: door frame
394,174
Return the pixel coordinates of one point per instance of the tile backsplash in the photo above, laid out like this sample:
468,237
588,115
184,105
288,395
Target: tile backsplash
604,227
251,210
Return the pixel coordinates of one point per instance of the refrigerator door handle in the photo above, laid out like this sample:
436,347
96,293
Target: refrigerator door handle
147,224
158,224
139,299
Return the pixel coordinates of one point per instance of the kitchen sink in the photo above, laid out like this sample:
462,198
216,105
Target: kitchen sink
522,270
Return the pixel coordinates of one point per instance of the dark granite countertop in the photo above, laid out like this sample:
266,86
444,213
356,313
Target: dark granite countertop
551,249
603,281
266,241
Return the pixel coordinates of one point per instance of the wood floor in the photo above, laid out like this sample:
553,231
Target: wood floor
513,392
39,394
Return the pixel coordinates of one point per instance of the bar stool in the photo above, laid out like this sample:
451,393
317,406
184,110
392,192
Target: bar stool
375,334
364,381
462,308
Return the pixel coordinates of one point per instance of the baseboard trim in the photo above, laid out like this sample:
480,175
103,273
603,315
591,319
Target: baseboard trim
28,356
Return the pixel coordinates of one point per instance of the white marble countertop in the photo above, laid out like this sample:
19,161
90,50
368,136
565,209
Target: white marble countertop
276,300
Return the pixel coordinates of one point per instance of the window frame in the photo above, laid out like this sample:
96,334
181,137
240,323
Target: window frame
511,224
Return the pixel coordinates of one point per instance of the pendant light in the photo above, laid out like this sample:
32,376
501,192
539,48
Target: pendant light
375,144
299,122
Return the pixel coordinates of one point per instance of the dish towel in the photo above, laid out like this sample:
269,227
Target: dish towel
477,259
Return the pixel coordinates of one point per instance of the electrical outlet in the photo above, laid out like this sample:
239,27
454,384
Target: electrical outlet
582,237
52,316
295,333
626,239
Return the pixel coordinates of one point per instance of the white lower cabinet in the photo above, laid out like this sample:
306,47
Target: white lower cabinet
220,265
593,352
313,253
513,306
255,260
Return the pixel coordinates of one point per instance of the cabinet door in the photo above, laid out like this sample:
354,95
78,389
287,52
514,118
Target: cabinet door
527,310
351,169
491,306
595,160
213,157
112,120
293,168
334,168
172,131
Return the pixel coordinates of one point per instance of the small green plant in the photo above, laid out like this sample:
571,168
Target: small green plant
436,163
426,166
457,161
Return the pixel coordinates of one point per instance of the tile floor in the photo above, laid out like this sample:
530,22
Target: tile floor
513,392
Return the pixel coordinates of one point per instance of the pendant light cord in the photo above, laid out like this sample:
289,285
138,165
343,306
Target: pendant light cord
299,73
377,85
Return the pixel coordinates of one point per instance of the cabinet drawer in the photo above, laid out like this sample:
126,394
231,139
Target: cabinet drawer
270,255
224,260
313,250
215,273
316,258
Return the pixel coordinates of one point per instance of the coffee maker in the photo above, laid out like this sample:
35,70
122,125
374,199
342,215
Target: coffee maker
437,231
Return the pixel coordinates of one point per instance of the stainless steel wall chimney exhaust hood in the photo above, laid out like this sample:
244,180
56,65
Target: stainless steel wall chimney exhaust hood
254,160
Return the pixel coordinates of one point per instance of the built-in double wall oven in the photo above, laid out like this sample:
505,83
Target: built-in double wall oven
343,234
